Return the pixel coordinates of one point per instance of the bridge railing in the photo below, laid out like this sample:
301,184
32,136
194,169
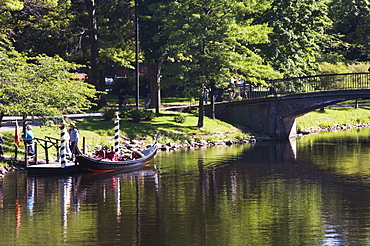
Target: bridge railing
327,82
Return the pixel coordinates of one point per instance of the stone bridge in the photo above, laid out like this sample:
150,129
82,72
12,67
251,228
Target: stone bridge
276,116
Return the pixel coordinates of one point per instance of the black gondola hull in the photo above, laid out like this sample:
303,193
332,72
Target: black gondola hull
96,165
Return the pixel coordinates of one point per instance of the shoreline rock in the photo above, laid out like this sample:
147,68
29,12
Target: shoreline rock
4,169
170,146
336,127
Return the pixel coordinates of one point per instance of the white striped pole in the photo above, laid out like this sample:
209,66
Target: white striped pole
116,133
63,144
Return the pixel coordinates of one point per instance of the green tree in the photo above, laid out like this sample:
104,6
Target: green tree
351,25
6,6
40,86
71,29
210,42
152,42
43,27
298,29
116,33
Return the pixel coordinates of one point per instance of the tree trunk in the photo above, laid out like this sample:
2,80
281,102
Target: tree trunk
94,77
201,111
212,98
24,122
155,85
1,118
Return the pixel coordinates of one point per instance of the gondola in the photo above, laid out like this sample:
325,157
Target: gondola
99,165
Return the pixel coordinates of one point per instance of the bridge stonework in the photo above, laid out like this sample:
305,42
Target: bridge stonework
276,116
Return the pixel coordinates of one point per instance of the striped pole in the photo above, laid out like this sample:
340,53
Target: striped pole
63,144
116,133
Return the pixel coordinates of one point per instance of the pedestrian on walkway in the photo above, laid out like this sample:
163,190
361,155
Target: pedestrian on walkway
122,98
1,146
147,96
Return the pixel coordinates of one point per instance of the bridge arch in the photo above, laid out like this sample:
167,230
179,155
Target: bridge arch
276,116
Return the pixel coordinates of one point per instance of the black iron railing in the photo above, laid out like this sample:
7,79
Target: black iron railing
327,82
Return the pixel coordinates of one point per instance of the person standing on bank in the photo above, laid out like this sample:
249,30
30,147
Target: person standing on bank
147,96
122,98
28,140
1,146
73,139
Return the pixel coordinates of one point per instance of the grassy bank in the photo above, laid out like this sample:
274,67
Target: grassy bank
98,131
333,116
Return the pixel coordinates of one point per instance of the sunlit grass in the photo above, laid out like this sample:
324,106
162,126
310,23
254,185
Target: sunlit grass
334,116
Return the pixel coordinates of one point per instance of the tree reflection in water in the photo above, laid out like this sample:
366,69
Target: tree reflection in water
312,192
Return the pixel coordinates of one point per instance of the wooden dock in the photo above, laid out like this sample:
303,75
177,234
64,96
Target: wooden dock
54,169
49,166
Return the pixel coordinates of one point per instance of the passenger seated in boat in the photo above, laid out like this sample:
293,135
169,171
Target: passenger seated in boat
102,154
111,157
137,154
125,156
108,155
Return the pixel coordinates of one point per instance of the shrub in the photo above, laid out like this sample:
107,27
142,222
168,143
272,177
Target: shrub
108,113
180,118
148,115
135,115
194,111
125,112
138,115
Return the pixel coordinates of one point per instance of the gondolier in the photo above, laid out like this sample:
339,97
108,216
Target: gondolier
73,139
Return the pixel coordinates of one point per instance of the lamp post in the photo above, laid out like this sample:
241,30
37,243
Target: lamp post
137,72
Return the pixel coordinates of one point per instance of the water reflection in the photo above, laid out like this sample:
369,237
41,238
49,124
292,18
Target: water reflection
40,204
283,193
345,153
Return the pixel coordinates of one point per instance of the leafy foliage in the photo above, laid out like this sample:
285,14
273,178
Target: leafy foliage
40,86
108,113
210,42
351,24
12,4
138,115
188,43
298,28
179,118
43,27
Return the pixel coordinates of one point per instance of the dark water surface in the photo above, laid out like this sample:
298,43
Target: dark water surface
314,191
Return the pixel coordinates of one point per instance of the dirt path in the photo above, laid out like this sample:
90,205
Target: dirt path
9,121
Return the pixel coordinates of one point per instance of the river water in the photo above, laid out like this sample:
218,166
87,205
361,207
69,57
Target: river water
313,191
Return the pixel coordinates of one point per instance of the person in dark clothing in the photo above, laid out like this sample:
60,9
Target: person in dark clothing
1,146
147,96
122,98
